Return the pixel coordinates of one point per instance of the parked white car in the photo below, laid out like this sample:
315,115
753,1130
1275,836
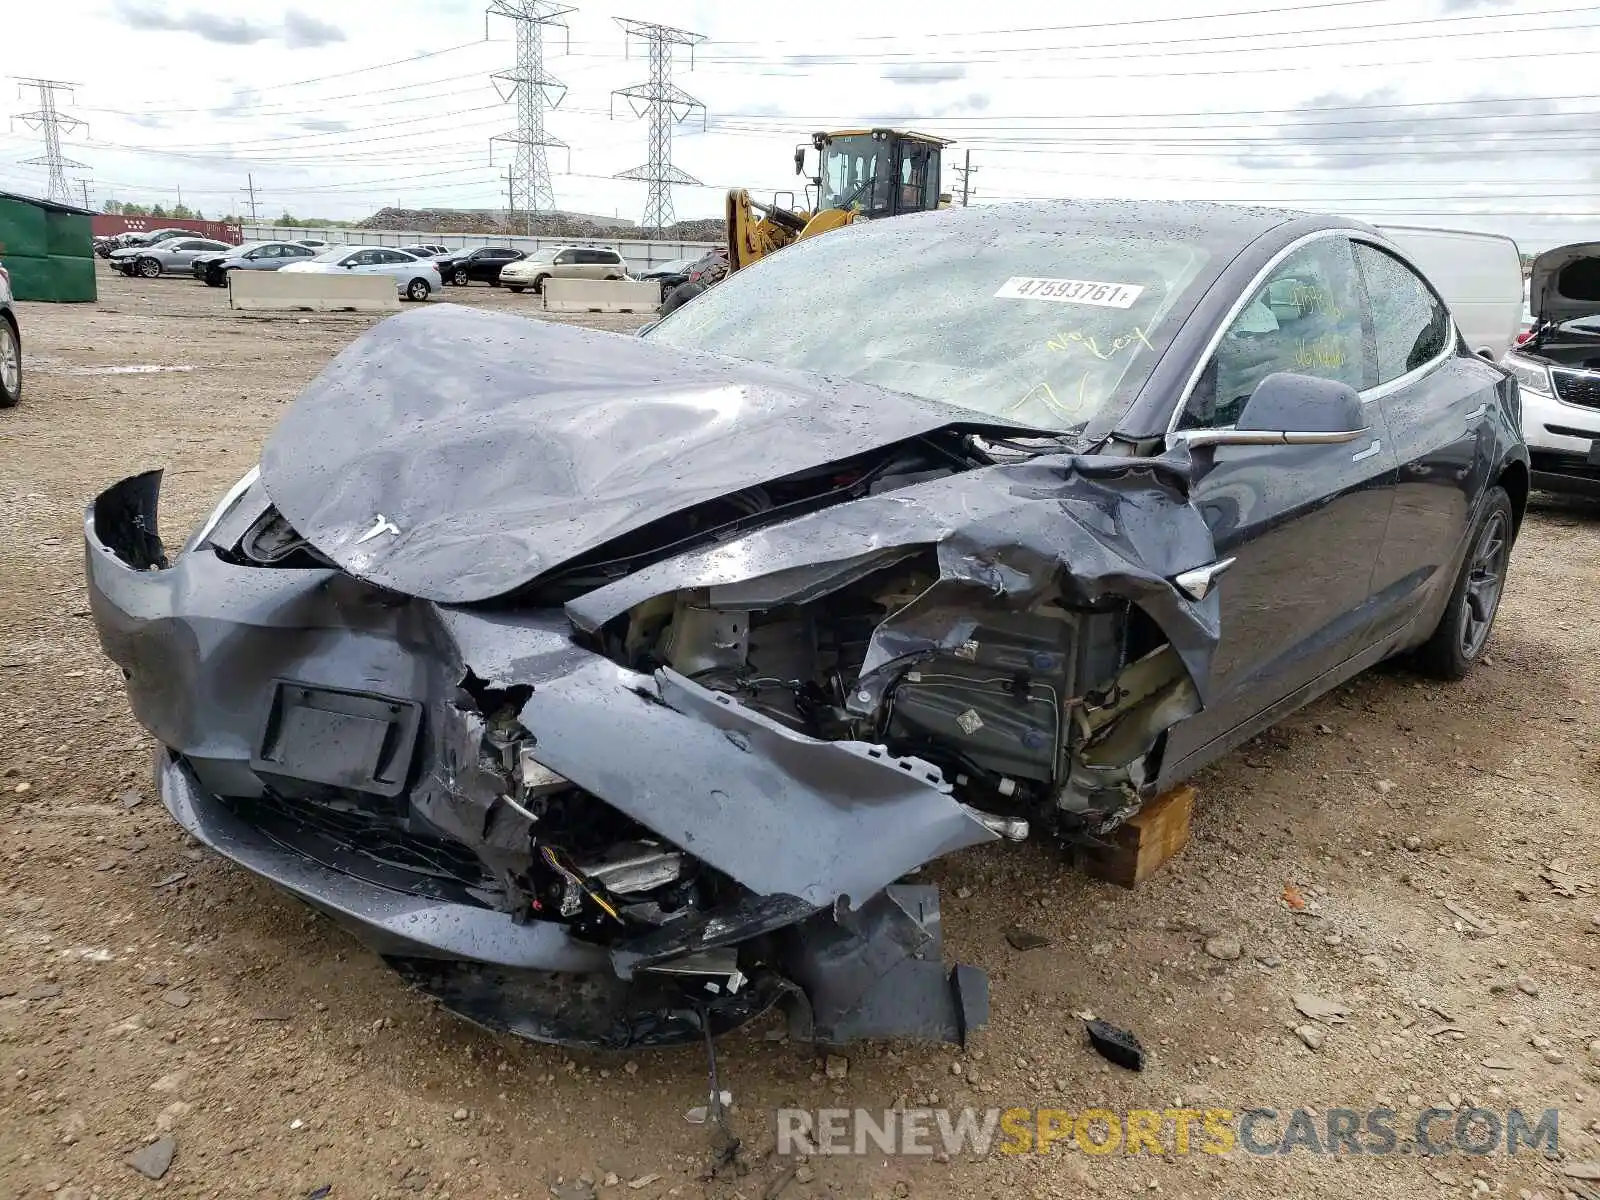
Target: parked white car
1558,366
416,278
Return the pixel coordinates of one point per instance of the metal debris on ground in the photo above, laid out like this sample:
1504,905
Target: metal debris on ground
1115,1045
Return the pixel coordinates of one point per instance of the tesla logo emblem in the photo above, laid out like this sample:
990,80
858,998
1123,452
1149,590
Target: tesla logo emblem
380,527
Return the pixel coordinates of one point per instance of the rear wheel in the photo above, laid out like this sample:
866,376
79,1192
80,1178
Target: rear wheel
417,289
681,295
10,363
1463,631
149,268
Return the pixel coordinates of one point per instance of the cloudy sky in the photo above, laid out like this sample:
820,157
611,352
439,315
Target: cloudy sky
1472,113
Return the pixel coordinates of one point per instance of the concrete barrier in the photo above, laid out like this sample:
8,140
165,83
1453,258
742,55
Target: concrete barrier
305,291
601,296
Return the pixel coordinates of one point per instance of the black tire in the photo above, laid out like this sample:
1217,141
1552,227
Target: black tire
459,277
681,295
515,288
1463,632
494,282
10,363
418,289
216,278
149,268
538,285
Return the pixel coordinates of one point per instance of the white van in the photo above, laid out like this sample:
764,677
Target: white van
1479,275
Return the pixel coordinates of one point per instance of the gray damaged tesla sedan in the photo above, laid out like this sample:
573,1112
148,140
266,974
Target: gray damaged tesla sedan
610,688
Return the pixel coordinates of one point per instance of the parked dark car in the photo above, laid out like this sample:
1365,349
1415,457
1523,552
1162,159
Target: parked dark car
476,266
1558,366
669,274
988,522
213,268
426,250
10,345
708,270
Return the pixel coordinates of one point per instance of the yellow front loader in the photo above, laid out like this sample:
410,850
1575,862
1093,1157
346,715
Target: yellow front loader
862,174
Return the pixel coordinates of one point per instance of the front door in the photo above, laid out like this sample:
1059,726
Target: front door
1303,523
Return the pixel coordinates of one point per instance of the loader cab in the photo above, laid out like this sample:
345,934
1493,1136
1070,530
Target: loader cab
877,172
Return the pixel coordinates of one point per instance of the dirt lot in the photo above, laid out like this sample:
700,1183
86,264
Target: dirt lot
149,988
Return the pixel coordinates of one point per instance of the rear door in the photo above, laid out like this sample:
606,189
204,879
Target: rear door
1303,524
1437,402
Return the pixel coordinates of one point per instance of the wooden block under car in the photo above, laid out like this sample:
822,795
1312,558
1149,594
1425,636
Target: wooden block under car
1143,844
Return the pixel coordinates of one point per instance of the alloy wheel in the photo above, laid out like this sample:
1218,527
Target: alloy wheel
149,268
1486,576
10,360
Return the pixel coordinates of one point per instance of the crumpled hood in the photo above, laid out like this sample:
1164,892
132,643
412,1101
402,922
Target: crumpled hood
455,454
1564,283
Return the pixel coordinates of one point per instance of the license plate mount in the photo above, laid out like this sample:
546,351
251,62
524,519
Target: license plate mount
357,740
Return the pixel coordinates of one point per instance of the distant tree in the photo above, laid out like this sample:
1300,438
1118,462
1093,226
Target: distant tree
157,211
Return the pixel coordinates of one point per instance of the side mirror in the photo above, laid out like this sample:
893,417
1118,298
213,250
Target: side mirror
349,266
799,160
1291,410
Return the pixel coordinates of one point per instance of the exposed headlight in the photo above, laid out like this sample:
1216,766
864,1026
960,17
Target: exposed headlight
229,499
1531,376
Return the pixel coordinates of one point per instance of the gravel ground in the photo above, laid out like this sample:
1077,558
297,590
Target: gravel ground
155,997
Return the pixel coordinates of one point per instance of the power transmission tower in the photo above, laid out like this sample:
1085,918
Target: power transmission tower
84,184
53,123
966,171
666,105
534,89
251,189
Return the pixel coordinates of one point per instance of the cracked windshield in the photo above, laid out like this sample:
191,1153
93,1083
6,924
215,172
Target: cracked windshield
1044,333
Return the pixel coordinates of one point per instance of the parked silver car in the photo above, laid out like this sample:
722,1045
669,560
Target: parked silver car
252,256
10,346
172,256
566,262
416,278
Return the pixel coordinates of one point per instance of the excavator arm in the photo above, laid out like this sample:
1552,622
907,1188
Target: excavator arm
755,230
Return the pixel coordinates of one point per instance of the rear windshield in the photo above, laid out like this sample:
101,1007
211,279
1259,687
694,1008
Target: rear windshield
1048,331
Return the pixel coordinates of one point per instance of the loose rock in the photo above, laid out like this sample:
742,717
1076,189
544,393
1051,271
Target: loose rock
1026,939
1224,946
153,1161
1312,1036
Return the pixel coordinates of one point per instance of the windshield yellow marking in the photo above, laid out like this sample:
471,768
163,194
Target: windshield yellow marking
1045,394
1065,341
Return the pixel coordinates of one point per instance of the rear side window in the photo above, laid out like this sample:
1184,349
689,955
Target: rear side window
1411,325
1305,319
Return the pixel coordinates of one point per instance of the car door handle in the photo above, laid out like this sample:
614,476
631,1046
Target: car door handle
1370,452
1476,413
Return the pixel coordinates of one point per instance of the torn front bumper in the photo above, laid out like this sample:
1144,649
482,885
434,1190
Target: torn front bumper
816,832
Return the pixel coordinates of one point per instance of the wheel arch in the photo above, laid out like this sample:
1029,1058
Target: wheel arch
1515,479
